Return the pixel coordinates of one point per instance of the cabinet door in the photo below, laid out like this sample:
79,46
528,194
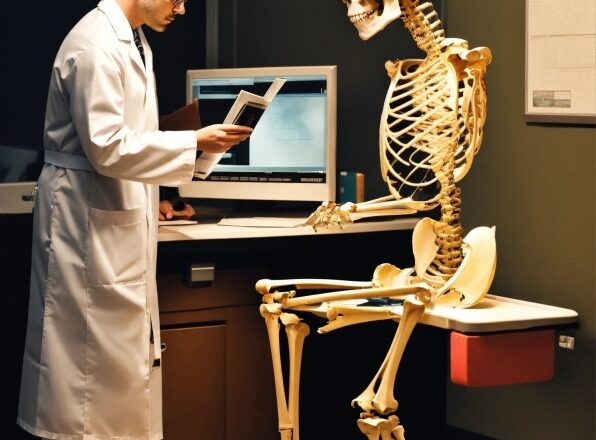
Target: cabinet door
217,370
194,383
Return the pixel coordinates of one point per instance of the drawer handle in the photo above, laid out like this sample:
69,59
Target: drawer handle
200,274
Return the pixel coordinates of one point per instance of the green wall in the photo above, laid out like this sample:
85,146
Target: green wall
536,184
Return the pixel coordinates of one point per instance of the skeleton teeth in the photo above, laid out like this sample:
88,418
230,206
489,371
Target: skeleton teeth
357,18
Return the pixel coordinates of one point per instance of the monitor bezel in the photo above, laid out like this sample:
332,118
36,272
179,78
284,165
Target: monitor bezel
306,192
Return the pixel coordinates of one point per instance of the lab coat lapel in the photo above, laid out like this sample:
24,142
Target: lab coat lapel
147,51
136,56
150,98
123,31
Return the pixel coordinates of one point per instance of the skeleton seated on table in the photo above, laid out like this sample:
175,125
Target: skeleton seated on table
430,130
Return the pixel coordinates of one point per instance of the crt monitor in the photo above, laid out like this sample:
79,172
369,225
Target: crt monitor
290,156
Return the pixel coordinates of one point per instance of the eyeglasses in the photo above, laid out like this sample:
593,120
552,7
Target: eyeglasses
179,2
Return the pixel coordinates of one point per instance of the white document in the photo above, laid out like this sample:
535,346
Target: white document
264,222
561,58
246,110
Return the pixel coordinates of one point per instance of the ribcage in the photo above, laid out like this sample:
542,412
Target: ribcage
421,128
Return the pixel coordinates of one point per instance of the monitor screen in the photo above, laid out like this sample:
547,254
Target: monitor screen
290,156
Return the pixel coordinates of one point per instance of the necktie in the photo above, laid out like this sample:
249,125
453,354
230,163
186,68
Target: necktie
137,38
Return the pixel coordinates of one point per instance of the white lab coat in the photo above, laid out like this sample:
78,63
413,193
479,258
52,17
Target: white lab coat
90,369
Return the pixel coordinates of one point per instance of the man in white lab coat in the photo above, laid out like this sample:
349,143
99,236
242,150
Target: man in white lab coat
91,367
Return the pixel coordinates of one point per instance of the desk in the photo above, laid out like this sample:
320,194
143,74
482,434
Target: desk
218,365
214,231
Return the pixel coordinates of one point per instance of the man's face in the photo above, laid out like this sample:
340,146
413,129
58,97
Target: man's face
372,16
158,14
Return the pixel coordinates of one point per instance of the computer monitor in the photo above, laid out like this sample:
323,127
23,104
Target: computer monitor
290,156
20,167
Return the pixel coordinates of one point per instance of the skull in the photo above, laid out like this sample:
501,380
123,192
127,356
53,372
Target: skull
372,16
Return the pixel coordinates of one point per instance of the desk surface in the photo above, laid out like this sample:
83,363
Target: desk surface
215,231
497,313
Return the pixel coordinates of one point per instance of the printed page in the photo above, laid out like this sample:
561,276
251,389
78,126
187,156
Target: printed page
561,54
246,110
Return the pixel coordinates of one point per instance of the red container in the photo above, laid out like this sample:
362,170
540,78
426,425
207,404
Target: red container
502,358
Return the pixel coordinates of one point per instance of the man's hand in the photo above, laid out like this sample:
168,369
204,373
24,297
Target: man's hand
167,211
219,138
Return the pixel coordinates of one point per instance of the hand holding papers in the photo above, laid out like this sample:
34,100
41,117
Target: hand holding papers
246,110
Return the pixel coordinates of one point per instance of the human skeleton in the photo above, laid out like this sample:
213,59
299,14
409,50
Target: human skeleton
430,130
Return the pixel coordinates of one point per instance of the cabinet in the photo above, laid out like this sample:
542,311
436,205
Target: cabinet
216,366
